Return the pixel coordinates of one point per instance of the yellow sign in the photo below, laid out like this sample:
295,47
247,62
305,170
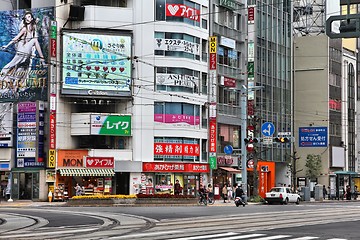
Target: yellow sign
51,159
212,44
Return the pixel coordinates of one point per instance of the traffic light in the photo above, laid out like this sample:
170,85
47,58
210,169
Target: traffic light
282,140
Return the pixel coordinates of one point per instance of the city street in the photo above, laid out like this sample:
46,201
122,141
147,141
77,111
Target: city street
331,220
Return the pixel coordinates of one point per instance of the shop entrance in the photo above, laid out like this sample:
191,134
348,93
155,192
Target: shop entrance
25,185
122,182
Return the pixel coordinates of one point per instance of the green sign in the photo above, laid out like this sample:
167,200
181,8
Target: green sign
250,69
114,125
212,162
228,3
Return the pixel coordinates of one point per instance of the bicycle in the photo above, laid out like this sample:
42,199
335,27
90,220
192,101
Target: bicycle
210,198
203,199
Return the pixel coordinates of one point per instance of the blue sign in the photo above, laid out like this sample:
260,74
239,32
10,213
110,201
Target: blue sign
267,129
313,137
228,149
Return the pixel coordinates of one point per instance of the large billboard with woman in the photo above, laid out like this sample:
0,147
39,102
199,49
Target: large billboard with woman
24,47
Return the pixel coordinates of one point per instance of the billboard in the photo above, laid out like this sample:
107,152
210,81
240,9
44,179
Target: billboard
313,136
30,134
6,124
24,53
96,64
110,125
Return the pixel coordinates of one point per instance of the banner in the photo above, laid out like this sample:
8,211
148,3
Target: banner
24,55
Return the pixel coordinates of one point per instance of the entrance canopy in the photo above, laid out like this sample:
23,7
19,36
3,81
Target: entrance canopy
230,169
105,172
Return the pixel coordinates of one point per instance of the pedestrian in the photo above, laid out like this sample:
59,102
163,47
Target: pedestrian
177,187
225,192
348,192
78,190
230,193
324,192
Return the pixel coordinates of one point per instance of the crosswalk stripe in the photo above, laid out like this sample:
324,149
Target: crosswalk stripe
304,238
272,237
205,236
240,237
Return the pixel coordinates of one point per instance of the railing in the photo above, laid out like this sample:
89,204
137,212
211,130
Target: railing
226,109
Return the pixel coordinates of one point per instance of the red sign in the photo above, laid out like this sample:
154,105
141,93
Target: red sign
335,104
177,149
212,135
52,131
251,14
250,108
53,47
180,10
175,167
99,162
229,82
212,61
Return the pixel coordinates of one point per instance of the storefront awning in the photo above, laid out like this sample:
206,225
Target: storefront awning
230,169
87,172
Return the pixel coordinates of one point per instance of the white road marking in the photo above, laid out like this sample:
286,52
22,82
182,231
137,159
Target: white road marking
145,234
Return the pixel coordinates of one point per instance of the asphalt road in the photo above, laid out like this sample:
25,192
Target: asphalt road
338,220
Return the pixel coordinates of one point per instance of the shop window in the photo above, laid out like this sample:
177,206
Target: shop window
163,183
102,142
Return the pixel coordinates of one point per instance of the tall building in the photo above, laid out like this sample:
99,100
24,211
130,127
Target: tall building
270,66
325,103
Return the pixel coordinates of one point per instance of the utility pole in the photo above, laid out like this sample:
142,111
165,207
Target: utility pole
243,117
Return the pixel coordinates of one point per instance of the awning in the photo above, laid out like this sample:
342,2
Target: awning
230,169
106,172
346,173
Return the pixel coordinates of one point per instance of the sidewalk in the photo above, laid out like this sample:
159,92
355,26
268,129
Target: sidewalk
29,203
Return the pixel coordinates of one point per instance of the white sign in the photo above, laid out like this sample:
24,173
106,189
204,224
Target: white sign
177,80
284,133
227,42
267,140
177,45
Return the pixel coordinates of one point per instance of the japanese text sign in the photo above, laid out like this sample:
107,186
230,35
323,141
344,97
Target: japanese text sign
99,162
177,149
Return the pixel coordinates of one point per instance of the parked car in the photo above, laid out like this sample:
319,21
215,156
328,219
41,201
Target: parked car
282,195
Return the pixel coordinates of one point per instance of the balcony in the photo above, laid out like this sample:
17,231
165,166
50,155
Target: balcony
229,110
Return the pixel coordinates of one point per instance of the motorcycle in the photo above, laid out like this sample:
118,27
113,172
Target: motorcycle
238,201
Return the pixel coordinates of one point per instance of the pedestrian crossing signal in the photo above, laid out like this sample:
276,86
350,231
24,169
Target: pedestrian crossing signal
282,139
251,140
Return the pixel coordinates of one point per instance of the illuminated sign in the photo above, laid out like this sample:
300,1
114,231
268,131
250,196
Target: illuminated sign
182,11
114,125
96,64
177,149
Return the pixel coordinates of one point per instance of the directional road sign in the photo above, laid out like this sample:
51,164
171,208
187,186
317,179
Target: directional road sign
267,129
228,149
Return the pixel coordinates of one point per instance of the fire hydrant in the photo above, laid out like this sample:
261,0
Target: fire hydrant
50,196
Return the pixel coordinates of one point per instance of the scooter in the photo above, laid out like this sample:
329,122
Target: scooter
238,201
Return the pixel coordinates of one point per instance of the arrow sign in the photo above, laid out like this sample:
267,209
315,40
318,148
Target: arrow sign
267,129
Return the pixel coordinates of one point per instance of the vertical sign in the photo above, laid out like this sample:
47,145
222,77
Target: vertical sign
212,99
52,101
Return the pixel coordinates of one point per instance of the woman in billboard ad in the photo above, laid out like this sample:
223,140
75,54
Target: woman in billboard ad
22,61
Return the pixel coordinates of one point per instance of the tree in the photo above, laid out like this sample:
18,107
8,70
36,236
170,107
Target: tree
313,165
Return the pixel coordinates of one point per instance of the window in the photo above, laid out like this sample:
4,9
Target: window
228,57
110,3
178,80
24,4
183,114
180,141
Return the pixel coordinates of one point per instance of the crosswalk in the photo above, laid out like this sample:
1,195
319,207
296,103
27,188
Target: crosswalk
169,235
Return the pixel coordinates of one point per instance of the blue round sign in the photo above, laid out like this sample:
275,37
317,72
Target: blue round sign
228,149
267,129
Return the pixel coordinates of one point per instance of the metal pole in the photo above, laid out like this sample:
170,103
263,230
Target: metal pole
243,117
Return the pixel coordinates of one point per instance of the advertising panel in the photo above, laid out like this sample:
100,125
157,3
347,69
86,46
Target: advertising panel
178,45
96,64
313,137
177,118
30,134
175,167
6,124
182,11
177,80
23,59
99,162
71,158
110,125
177,149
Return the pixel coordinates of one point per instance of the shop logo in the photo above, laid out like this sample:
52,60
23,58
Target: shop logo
73,162
173,9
